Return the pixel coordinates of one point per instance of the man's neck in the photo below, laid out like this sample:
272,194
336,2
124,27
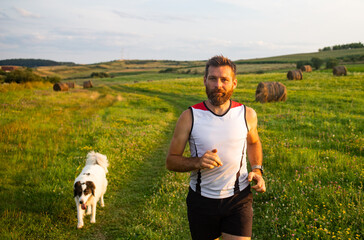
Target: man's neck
218,110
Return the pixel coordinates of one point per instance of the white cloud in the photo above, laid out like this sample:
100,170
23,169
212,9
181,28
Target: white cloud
26,13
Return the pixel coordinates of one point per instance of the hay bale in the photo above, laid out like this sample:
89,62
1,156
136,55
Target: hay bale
60,87
71,84
339,71
87,84
270,92
295,75
306,68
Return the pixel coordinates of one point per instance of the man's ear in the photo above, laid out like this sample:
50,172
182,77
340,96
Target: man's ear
235,83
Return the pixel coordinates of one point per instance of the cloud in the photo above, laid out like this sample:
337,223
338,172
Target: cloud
163,18
26,14
3,15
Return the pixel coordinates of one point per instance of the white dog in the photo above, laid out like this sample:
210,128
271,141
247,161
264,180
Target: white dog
90,186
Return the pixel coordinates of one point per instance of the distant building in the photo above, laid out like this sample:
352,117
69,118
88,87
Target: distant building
9,68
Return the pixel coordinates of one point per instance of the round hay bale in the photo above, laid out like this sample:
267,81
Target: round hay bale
87,84
270,92
339,71
60,87
295,75
306,68
71,84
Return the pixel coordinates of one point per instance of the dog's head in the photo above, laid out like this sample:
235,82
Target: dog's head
83,191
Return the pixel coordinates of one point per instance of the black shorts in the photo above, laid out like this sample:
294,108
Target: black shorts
209,218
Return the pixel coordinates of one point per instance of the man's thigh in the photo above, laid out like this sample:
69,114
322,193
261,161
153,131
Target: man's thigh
238,220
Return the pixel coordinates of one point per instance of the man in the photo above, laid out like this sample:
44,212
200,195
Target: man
221,133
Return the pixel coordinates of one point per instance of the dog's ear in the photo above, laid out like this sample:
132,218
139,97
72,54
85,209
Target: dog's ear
92,186
77,189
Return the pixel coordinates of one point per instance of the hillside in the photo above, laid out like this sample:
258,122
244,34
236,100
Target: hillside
293,58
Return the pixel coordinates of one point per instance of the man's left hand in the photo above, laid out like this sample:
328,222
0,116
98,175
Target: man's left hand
259,182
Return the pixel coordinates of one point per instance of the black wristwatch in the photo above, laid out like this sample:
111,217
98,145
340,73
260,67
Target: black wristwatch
260,167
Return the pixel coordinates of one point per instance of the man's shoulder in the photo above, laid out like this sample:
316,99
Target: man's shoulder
200,106
236,104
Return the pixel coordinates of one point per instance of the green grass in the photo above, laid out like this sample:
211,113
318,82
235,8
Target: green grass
313,155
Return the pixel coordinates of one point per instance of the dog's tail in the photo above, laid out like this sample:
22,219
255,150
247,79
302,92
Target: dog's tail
97,158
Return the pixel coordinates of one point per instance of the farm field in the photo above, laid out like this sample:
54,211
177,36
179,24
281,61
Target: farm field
312,145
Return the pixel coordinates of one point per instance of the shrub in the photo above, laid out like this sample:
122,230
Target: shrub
332,62
52,79
317,62
22,76
168,70
99,74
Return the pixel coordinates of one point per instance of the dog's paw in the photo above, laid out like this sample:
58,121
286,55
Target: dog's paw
79,226
102,205
93,221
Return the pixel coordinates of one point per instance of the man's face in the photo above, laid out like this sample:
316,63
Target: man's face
220,83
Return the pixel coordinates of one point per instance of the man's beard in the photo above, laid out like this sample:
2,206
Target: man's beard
218,97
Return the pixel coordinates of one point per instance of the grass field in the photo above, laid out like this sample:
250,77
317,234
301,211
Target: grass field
312,143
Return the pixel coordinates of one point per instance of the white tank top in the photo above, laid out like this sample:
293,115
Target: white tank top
227,133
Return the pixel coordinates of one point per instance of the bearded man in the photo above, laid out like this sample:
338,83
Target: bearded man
221,134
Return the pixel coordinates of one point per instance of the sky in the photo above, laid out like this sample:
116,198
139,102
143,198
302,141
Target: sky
93,31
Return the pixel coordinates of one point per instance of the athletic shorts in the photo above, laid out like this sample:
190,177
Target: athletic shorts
209,218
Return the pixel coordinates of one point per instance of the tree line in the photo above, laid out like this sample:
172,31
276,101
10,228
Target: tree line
31,63
344,46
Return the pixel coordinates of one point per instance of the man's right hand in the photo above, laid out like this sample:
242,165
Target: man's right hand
210,160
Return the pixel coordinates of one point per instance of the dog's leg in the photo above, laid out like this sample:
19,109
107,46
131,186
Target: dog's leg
80,213
93,215
102,201
88,210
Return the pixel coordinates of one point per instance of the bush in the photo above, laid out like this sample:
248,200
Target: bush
317,62
52,79
332,62
22,76
99,74
168,70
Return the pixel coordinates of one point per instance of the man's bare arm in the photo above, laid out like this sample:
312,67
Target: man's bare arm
254,150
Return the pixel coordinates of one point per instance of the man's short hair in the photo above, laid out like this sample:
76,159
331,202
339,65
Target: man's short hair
218,61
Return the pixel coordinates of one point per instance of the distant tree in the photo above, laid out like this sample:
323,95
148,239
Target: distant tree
332,62
343,46
317,62
33,62
325,49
